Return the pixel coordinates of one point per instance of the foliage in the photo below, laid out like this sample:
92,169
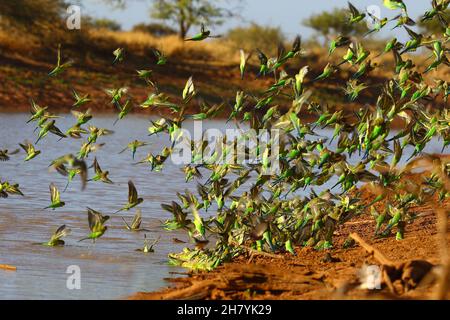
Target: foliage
434,26
185,14
254,36
103,23
33,15
333,23
155,29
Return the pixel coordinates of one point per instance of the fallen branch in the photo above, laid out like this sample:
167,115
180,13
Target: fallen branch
371,250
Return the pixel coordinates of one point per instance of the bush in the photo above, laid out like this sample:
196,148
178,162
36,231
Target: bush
434,26
255,36
333,23
103,23
155,29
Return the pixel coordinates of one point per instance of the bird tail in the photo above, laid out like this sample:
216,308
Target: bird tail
66,186
87,238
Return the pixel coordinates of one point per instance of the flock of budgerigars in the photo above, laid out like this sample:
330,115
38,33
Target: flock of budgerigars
270,215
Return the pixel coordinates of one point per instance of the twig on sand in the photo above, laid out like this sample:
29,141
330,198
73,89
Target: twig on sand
8,267
252,252
198,290
371,250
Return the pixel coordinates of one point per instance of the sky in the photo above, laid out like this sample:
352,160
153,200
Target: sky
286,14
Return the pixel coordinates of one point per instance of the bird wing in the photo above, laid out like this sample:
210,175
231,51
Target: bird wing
58,63
62,231
30,149
76,114
25,147
127,107
136,223
95,218
14,152
353,9
132,192
55,130
34,107
82,171
97,168
54,193
75,95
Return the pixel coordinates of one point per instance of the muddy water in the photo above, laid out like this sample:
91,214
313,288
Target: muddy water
112,268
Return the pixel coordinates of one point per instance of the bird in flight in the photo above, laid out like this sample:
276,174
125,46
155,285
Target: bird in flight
133,199
96,225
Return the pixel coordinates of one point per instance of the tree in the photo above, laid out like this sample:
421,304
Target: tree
155,29
36,15
333,23
188,13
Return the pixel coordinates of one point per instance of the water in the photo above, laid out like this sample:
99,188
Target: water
111,268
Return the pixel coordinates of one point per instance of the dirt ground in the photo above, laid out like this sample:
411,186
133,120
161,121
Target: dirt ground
333,274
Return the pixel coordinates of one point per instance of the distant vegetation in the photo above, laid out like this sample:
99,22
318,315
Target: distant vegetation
103,23
331,23
256,36
189,13
155,29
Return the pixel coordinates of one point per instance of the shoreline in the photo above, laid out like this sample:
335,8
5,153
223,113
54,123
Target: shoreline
328,274
312,274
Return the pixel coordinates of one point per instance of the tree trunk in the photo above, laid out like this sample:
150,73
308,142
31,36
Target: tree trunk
182,32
